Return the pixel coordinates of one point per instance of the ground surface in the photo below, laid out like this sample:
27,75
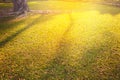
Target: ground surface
83,44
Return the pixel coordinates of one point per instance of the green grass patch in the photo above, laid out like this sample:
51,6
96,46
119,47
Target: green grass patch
82,45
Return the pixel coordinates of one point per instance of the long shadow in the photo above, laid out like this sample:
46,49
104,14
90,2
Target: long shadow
42,18
58,68
6,19
103,9
110,11
107,9
7,26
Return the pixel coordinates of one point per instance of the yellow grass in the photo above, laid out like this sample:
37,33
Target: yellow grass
70,46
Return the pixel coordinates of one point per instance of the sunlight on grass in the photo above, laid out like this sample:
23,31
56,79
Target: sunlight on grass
72,46
41,39
92,34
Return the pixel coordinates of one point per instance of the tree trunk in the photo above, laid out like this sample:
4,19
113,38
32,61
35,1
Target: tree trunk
20,6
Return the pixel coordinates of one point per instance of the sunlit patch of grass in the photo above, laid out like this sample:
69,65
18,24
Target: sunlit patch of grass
78,45
83,45
89,39
41,39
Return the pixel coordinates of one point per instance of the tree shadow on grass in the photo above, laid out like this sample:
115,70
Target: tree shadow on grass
21,68
59,68
106,9
103,9
6,19
113,11
42,18
86,68
6,25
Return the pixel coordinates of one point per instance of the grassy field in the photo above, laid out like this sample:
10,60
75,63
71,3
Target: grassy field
80,45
